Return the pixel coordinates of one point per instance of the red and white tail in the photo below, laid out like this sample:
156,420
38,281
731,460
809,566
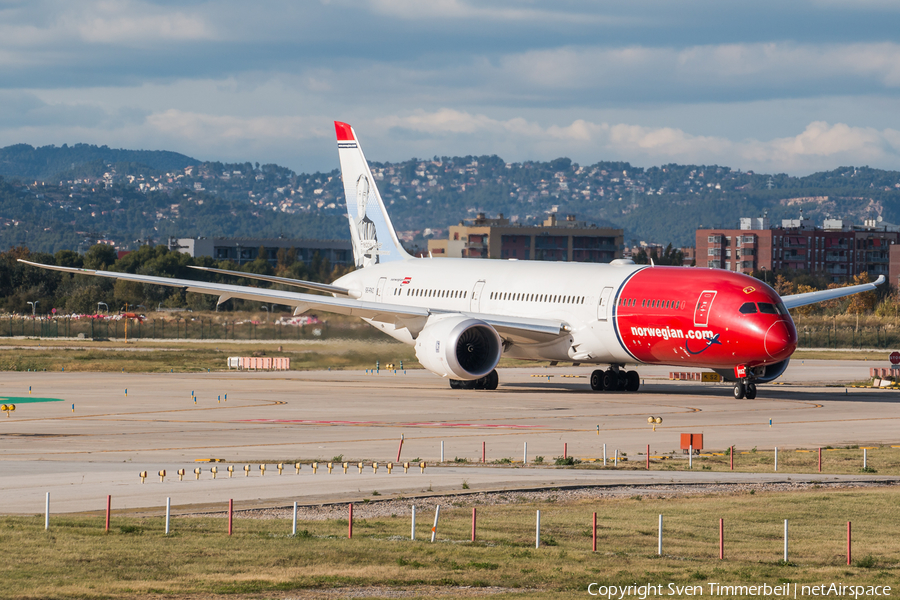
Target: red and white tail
373,236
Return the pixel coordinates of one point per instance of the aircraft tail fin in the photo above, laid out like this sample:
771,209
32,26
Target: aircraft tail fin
373,237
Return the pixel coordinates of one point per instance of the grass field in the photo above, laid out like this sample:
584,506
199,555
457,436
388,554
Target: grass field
880,459
157,357
195,356
76,559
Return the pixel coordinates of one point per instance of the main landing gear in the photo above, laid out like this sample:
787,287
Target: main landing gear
488,382
744,389
612,380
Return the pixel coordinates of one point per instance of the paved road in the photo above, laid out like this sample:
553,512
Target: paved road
100,448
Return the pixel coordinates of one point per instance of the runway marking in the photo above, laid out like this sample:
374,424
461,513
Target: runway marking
382,423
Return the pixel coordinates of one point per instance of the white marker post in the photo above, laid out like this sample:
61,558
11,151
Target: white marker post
294,526
659,544
437,514
616,464
785,540
776,458
47,513
168,513
604,455
412,534
442,450
525,454
537,531
865,459
691,456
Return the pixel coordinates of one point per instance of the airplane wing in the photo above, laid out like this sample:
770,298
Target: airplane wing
309,285
517,329
822,295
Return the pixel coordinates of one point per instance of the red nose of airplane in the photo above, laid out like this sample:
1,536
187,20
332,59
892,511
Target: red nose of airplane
781,340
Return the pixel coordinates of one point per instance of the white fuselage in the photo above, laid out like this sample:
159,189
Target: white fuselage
577,294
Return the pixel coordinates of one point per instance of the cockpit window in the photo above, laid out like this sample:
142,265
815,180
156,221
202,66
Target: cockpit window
748,308
781,308
767,308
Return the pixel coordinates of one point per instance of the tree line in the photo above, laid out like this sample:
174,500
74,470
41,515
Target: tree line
81,294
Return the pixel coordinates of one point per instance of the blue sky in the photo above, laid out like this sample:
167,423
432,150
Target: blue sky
772,86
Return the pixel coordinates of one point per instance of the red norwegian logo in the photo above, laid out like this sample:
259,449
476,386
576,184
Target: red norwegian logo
406,280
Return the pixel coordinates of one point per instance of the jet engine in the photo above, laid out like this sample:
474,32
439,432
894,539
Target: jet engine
770,372
458,347
761,374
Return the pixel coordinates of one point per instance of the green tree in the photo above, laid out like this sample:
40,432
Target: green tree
100,257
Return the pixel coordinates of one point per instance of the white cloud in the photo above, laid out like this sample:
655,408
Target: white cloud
112,22
819,146
718,67
484,10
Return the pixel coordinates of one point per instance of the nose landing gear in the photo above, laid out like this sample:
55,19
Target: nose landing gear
744,389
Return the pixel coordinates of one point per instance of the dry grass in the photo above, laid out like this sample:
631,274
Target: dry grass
883,460
156,357
76,558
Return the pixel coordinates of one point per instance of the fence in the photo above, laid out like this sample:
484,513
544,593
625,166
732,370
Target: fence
173,329
826,336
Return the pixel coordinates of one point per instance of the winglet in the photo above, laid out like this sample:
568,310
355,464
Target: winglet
344,132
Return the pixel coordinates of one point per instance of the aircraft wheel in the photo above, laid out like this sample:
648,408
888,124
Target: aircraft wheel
610,380
468,385
739,390
597,380
750,394
455,384
623,381
492,380
634,381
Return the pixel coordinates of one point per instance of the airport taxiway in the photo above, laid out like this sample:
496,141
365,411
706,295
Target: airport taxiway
100,448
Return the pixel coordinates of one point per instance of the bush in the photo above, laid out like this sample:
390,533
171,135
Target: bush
566,461
538,460
866,562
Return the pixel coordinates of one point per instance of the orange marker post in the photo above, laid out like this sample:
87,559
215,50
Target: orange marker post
848,542
721,539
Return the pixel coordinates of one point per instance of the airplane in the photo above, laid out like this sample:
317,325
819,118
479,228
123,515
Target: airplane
462,315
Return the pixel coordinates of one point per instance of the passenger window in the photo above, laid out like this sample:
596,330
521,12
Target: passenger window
767,308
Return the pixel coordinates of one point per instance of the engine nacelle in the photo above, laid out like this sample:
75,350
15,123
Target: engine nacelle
762,374
458,347
770,372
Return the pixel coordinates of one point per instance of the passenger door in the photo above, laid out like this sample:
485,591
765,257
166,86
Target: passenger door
704,304
475,303
603,305
379,291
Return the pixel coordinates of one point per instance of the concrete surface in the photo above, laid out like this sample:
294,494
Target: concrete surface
100,448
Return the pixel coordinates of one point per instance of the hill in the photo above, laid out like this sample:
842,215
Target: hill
47,162
133,196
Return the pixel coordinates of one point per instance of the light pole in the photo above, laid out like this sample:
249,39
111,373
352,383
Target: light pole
764,275
267,312
33,306
104,304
